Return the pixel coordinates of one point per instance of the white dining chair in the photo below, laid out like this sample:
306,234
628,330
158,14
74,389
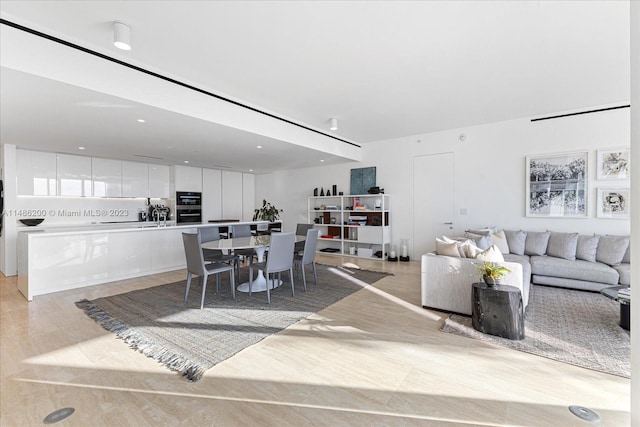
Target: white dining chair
308,256
197,266
280,259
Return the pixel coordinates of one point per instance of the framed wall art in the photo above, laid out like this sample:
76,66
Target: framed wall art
557,185
614,203
613,163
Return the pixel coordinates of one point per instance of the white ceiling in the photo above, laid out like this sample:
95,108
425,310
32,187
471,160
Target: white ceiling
385,69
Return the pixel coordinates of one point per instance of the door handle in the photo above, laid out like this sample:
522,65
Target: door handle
448,223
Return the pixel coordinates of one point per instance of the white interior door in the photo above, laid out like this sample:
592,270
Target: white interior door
433,200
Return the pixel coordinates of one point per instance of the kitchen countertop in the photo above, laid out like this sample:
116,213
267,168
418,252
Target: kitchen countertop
120,227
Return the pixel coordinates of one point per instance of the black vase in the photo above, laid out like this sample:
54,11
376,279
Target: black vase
492,282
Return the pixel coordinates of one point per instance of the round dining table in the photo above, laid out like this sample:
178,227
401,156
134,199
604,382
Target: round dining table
258,243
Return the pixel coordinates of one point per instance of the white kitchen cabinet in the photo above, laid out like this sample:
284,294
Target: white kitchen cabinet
211,194
135,179
106,177
36,173
74,175
232,195
187,178
159,182
248,196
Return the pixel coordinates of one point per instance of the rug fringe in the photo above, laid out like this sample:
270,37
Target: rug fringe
192,371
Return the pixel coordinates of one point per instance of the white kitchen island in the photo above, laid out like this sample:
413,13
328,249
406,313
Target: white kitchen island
57,259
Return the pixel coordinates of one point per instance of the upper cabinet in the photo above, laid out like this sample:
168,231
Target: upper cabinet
107,177
159,178
232,198
211,194
187,178
135,179
36,173
74,175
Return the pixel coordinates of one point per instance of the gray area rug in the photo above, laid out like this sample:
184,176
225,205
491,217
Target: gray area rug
576,327
157,322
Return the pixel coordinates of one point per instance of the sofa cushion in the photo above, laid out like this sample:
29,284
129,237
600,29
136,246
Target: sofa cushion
577,270
500,240
587,247
536,242
624,270
563,245
483,241
611,249
492,254
447,248
627,255
516,241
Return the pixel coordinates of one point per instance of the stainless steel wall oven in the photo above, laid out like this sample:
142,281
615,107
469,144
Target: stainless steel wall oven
188,207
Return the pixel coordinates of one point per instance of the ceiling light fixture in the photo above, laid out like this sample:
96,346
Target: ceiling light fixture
80,148
121,35
259,146
334,124
186,161
141,120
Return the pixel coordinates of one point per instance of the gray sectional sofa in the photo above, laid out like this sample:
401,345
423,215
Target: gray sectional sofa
548,258
571,260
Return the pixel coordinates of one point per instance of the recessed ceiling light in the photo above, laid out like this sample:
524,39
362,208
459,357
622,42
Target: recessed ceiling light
259,146
250,170
141,120
169,148
322,160
80,148
186,161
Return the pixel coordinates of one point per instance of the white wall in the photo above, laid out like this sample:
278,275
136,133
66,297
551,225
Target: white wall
489,163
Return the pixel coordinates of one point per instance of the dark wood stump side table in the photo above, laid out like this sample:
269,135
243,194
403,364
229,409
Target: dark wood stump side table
498,310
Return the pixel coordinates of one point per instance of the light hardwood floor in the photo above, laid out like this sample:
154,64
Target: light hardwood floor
374,358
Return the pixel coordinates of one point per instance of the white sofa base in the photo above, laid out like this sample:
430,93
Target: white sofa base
447,282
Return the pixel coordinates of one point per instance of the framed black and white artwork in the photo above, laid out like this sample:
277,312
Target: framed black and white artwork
614,203
557,185
613,163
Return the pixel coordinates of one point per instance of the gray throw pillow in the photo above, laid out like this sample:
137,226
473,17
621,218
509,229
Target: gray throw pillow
516,240
587,247
627,255
536,242
563,245
611,249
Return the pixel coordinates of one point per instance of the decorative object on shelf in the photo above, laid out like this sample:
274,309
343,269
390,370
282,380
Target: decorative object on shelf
404,250
31,222
613,163
341,194
328,192
492,273
374,190
315,192
557,185
267,212
335,190
362,179
321,192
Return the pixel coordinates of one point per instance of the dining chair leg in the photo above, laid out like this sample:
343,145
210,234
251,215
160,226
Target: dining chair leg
250,278
315,276
186,294
291,280
232,277
268,290
304,277
218,283
204,289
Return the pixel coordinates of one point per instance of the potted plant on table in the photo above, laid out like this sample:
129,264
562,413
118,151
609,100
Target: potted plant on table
267,212
492,273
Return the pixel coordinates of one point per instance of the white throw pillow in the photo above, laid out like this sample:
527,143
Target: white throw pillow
462,242
500,240
471,250
447,249
492,254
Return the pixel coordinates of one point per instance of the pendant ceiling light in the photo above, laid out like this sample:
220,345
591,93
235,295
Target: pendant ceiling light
334,124
121,35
